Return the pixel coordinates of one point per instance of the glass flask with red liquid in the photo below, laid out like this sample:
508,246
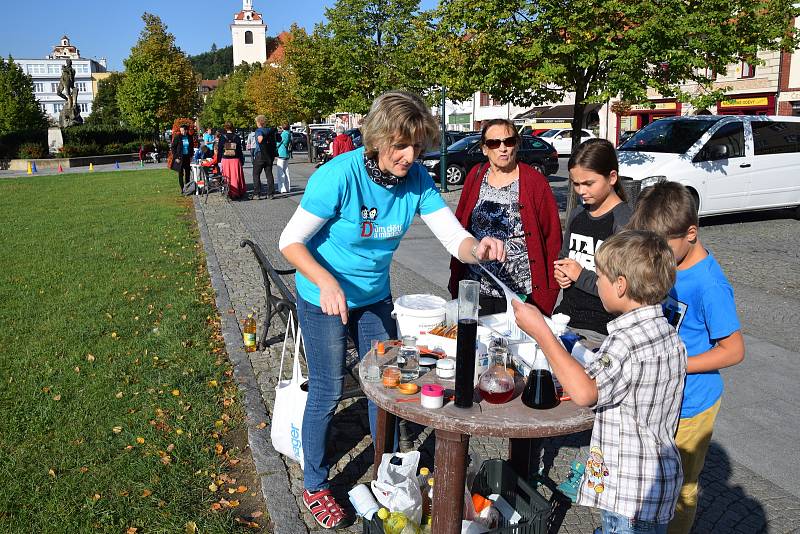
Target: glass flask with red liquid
496,384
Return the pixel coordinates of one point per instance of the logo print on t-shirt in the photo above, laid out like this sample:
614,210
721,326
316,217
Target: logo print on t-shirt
582,249
674,311
368,216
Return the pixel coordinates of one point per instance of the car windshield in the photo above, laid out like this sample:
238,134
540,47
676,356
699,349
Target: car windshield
549,133
668,136
463,144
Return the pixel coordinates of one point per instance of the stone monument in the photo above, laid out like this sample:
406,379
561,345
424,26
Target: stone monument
70,113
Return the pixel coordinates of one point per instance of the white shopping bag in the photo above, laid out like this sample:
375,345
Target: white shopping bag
290,402
397,488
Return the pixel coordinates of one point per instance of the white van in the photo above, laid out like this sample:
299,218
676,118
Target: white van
729,162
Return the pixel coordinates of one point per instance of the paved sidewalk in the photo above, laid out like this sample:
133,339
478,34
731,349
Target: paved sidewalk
734,497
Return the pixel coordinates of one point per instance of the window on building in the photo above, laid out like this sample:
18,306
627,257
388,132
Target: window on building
84,107
497,102
53,87
731,136
81,68
38,87
80,86
776,137
748,70
36,68
248,37
484,99
58,107
43,107
53,68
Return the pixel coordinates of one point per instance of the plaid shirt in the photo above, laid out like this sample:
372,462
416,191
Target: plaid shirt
634,468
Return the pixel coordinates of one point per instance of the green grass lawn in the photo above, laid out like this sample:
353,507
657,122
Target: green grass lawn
113,387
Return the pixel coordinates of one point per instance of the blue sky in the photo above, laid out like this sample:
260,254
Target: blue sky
109,29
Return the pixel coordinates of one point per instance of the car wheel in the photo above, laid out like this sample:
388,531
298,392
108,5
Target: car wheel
455,174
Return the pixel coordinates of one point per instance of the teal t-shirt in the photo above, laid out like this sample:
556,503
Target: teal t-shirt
365,224
701,307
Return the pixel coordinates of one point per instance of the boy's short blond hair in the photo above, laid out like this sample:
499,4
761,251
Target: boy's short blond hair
397,114
667,208
644,259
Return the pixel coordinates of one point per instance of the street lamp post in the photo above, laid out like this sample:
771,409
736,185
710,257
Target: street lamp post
443,147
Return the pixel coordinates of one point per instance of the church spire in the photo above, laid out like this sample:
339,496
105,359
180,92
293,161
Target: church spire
247,5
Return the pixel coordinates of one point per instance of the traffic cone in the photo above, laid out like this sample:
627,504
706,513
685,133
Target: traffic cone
116,164
91,167
33,164
60,168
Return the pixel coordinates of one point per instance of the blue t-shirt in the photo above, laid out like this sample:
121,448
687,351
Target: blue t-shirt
365,224
701,307
185,143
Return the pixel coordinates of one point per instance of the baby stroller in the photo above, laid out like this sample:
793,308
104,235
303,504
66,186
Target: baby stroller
214,180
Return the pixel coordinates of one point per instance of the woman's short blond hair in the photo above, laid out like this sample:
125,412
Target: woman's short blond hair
397,115
644,259
261,121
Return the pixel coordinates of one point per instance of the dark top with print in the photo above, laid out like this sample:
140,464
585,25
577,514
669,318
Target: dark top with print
582,237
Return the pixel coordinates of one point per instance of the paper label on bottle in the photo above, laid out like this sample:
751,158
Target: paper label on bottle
249,340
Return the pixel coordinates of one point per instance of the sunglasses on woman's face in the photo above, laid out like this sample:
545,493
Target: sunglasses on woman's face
495,143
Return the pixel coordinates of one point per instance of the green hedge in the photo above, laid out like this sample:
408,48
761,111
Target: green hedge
103,134
10,143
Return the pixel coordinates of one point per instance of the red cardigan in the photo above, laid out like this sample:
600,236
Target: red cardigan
540,222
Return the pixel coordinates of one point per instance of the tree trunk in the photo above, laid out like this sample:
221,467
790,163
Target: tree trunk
577,126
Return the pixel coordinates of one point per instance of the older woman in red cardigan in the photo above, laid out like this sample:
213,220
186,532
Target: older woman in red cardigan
512,202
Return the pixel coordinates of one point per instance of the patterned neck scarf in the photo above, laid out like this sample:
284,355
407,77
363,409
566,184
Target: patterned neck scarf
378,176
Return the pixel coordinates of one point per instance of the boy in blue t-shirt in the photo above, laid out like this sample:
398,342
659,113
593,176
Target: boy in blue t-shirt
702,309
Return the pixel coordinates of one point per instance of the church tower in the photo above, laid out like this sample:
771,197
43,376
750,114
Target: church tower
249,35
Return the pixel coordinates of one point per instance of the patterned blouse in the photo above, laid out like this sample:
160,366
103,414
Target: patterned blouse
497,215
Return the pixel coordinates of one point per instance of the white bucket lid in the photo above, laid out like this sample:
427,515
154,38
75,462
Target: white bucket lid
420,305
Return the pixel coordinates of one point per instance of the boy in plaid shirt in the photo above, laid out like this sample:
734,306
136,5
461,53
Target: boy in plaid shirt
633,474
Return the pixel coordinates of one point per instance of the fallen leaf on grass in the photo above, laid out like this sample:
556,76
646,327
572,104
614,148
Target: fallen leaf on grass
57,398
119,394
146,493
176,392
234,461
218,448
191,527
246,523
241,489
96,497
132,530
231,490
51,473
256,515
83,469
216,506
90,357
140,441
213,487
212,383
261,425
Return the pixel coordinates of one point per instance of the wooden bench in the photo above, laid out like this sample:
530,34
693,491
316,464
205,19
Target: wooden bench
283,305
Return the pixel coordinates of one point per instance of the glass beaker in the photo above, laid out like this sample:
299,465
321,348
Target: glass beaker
369,369
468,292
496,384
540,391
408,359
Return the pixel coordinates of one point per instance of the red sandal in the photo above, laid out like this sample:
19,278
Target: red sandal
324,508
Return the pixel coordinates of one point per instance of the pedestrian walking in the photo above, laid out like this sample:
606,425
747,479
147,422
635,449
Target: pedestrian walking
265,153
182,152
250,144
284,184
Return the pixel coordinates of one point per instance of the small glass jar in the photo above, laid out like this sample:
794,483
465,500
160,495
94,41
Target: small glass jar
391,376
408,359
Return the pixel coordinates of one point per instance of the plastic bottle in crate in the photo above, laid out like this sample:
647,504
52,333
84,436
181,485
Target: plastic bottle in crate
397,523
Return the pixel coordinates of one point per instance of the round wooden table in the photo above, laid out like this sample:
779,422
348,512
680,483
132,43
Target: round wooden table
525,427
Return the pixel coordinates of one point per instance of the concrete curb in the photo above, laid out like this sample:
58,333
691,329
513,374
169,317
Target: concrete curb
270,467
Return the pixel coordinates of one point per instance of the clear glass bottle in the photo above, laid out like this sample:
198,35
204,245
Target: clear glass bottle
369,369
408,359
496,384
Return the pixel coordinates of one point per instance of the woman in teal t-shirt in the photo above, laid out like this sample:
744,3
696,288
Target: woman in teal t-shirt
354,212
283,183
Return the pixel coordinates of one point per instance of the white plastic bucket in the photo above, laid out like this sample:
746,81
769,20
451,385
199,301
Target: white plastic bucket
418,314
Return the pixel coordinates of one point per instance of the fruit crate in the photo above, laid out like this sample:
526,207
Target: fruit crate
497,476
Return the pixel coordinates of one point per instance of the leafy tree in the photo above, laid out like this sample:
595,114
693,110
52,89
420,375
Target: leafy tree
19,109
309,57
370,49
274,93
533,52
230,102
216,63
160,83
105,109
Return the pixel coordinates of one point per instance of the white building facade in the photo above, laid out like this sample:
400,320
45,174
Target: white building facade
46,74
249,36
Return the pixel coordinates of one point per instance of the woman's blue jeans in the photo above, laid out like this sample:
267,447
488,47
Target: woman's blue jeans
326,344
618,524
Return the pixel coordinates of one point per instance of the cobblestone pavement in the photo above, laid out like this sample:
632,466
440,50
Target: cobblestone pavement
734,498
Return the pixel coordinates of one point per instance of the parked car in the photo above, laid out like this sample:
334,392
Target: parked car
728,163
561,139
355,135
466,153
321,139
299,142
624,136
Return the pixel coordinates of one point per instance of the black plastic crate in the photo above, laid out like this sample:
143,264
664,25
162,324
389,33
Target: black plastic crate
497,476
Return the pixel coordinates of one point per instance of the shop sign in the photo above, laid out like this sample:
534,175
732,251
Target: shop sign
459,118
757,101
657,106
